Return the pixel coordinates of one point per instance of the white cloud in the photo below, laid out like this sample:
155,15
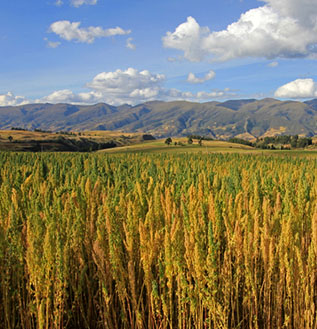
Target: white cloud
300,88
52,44
178,59
213,94
129,79
130,45
71,31
78,3
129,86
119,87
171,59
272,64
67,96
188,37
304,11
58,3
280,28
174,94
11,100
193,79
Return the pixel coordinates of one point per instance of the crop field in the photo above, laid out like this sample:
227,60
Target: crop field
157,240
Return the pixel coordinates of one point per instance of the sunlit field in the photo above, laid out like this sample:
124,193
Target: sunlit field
157,241
207,147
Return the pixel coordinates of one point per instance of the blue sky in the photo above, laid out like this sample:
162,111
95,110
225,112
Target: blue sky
119,51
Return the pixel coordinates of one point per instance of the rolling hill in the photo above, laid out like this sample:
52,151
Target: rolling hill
250,118
38,141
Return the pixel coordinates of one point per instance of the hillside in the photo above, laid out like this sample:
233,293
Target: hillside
253,118
37,141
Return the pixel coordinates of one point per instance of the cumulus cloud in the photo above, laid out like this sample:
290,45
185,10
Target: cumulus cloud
67,96
300,88
78,3
188,37
193,79
272,64
119,87
130,79
280,28
72,31
129,44
129,85
10,99
304,11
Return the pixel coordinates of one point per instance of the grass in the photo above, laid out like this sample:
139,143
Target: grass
132,143
87,140
159,146
22,135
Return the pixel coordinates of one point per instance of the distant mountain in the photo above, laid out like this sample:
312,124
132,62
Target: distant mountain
248,117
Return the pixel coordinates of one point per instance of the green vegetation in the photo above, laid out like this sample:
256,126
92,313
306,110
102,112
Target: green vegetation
18,139
240,141
274,142
199,137
189,140
281,141
168,141
157,241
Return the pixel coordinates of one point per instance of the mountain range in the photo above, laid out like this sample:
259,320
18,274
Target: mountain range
247,118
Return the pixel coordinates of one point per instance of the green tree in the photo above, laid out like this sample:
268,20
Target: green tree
168,141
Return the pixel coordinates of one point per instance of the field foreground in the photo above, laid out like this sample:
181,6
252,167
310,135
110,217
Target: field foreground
157,241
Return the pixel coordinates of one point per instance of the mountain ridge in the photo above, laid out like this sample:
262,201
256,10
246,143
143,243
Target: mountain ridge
177,118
